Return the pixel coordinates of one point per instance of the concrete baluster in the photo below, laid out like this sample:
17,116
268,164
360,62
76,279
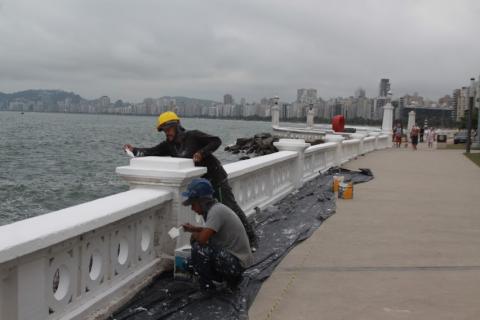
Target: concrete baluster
361,137
376,135
299,146
339,153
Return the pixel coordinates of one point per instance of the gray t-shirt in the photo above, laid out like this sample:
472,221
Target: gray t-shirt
230,233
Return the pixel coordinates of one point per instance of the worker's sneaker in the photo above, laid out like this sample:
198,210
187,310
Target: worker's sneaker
254,245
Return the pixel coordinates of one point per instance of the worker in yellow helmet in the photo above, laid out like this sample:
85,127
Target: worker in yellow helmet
198,146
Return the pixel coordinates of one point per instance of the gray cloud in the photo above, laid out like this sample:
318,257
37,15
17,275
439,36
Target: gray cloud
135,49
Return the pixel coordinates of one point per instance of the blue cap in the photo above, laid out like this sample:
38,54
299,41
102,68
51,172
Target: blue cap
198,188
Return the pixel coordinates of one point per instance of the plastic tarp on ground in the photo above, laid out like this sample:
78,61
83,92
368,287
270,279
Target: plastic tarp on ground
279,229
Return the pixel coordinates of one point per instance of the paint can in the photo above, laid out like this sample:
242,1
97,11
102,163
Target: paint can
181,269
345,190
336,182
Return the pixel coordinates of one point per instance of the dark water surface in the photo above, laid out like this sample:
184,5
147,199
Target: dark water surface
50,161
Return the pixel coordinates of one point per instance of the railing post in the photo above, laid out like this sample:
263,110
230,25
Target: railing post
171,174
299,146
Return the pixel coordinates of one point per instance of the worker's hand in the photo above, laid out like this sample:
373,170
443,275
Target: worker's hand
128,147
189,227
197,157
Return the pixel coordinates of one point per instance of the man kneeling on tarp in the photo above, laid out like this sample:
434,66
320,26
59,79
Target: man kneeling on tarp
220,249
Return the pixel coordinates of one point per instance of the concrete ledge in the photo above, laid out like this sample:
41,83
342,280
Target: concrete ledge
30,235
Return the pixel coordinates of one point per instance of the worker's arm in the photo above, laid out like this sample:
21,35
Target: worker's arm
200,234
206,142
159,150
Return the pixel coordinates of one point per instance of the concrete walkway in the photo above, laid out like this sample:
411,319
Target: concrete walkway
406,247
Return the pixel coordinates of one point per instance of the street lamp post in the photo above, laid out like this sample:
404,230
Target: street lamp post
471,94
476,140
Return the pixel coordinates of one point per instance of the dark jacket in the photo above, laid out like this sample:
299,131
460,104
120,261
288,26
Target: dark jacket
185,145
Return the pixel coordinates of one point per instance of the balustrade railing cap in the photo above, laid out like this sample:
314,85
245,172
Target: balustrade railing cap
374,134
358,135
333,138
291,144
159,170
162,163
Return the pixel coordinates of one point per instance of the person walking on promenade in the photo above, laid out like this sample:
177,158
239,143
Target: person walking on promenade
431,136
397,135
422,133
198,146
414,136
220,249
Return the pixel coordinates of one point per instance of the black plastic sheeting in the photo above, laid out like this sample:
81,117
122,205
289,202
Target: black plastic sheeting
279,229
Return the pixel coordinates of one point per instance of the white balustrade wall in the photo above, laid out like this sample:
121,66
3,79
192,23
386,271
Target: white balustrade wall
350,149
368,144
84,261
318,159
383,141
261,181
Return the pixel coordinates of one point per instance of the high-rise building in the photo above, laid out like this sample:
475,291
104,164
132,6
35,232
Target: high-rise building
360,93
384,87
306,96
460,100
228,99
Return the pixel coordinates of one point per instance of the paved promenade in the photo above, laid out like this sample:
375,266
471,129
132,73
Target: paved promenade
406,247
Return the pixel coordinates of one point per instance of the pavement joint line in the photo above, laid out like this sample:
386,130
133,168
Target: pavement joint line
290,282
382,269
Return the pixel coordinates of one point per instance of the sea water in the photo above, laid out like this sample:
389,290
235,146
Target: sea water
50,161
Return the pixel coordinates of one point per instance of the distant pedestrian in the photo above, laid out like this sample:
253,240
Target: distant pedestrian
414,133
431,137
397,135
422,133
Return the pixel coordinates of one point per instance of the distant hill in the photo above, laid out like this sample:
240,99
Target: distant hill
63,101
46,96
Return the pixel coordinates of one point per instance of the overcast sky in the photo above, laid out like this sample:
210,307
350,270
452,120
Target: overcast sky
251,48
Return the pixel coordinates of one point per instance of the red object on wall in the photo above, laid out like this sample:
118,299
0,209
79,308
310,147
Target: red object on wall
338,123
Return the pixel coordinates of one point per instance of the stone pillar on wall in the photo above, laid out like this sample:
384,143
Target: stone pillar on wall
275,113
173,174
310,116
411,122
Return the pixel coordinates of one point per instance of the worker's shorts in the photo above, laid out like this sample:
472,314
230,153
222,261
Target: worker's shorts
213,263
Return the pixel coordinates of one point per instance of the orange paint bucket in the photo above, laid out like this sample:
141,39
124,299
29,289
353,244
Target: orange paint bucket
336,182
345,190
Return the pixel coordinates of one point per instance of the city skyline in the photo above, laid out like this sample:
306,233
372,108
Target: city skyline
249,49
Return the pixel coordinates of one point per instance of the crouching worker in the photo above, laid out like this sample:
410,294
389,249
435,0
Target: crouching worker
220,249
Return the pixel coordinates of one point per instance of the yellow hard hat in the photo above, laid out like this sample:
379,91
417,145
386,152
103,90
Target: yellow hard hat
167,118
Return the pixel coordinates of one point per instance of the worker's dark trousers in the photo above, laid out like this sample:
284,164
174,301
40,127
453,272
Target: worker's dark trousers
224,194
215,264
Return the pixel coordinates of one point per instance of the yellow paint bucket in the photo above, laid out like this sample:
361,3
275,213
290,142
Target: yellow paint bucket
345,190
336,182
